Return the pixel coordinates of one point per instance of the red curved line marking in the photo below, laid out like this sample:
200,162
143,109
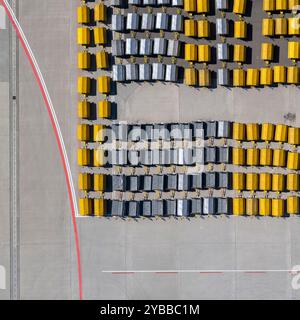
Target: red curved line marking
59,147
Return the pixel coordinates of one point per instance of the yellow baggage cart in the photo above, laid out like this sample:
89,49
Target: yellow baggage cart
85,207
292,205
281,131
100,12
83,36
266,76
239,131
265,206
252,206
238,156
83,132
252,157
277,207
239,77
83,157
268,27
83,85
238,181
239,53
190,28
99,182
292,182
190,52
104,84
83,14
204,53
84,181
265,157
99,207
102,60
265,180
83,109
252,77
203,28
294,135
292,75
240,29
267,51
279,158
278,182
252,181
104,109
239,207
190,77
204,78
293,161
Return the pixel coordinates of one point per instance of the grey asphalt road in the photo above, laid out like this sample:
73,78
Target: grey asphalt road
47,260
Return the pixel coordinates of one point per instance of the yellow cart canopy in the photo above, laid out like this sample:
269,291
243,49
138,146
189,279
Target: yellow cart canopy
83,14
269,5
104,109
204,78
83,109
294,26
292,75
83,85
239,53
240,29
239,6
238,206
190,52
279,74
83,157
190,76
99,207
266,76
203,6
281,5
204,53
294,50
85,207
102,60
190,5
279,158
293,135
99,182
238,181
265,157
99,35
265,207
100,12
281,131
238,156
277,207
104,84
252,181
84,181
268,27
292,182
252,130
252,157
98,133
252,206
293,205
265,181
239,78
267,131
83,36
267,51
83,132
281,26
293,161
238,132
252,77
190,28
98,158
277,182
203,28
84,60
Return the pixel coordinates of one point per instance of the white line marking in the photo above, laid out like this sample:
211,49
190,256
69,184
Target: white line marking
202,271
